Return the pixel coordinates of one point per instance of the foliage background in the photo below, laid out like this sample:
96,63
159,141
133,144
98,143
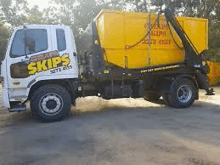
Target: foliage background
79,13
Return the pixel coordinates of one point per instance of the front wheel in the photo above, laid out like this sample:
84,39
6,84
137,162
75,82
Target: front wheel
51,102
182,94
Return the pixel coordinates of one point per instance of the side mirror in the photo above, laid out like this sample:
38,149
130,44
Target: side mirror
30,44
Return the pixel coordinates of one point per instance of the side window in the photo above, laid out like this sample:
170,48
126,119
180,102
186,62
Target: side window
29,41
18,45
61,41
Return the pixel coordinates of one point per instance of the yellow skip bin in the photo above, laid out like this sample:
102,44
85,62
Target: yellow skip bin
214,74
119,33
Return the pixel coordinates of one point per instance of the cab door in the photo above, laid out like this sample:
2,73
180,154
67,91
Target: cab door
63,42
26,43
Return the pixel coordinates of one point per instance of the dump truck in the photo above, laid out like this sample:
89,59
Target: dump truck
120,55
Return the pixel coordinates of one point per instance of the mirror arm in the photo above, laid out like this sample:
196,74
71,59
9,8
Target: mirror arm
25,41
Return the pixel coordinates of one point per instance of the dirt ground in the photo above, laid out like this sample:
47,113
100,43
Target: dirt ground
119,131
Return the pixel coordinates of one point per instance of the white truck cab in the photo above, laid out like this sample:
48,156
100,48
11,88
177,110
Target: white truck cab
40,59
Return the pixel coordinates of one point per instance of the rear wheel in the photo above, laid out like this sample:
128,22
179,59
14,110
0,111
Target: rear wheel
51,102
182,94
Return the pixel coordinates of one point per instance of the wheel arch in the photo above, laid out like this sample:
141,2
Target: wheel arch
68,84
189,76
169,80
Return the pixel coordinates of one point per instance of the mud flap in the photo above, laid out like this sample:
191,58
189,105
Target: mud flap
202,80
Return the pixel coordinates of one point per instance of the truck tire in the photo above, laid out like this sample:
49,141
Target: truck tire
152,97
182,94
50,102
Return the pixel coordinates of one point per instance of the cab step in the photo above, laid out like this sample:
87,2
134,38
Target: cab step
17,109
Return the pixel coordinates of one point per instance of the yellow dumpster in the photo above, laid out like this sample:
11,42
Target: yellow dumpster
214,74
119,33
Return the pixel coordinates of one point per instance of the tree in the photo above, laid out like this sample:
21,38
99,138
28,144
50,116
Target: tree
13,12
4,35
51,15
79,13
17,12
209,9
138,5
214,31
34,16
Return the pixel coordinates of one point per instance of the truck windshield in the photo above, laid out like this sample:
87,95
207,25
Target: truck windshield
29,41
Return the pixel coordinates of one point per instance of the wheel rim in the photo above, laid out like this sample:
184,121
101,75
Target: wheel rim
51,104
184,93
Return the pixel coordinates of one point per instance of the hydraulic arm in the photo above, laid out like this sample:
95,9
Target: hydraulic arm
192,57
